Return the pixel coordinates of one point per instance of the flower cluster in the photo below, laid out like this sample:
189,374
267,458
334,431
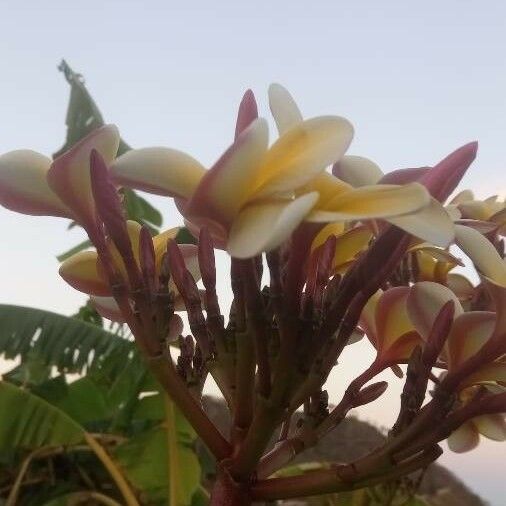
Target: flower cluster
350,251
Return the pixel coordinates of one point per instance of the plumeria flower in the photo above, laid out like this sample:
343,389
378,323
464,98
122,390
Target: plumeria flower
387,325
31,183
467,436
255,196
470,333
339,200
490,210
84,271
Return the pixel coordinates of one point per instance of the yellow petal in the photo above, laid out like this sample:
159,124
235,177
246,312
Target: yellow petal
392,320
483,254
424,303
432,224
69,175
160,244
327,231
161,171
81,272
302,153
357,171
368,318
134,232
264,226
464,439
224,189
328,188
283,108
463,196
350,244
23,185
378,201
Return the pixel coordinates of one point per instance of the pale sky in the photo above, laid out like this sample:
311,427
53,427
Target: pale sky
417,80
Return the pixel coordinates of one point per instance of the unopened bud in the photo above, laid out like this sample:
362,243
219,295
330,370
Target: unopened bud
369,393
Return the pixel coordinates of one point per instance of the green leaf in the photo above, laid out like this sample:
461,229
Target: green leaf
69,344
33,422
184,236
145,458
83,400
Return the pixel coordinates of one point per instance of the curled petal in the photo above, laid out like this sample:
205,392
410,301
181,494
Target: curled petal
23,185
469,333
69,175
392,320
424,303
460,286
378,201
357,171
264,226
283,108
432,224
483,254
439,254
107,307
81,272
225,187
161,171
368,318
464,439
301,153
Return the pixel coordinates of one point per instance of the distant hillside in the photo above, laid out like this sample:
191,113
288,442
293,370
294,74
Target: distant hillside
354,438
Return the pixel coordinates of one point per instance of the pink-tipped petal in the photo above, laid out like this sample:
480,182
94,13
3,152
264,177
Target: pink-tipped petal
69,175
226,186
248,112
23,185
